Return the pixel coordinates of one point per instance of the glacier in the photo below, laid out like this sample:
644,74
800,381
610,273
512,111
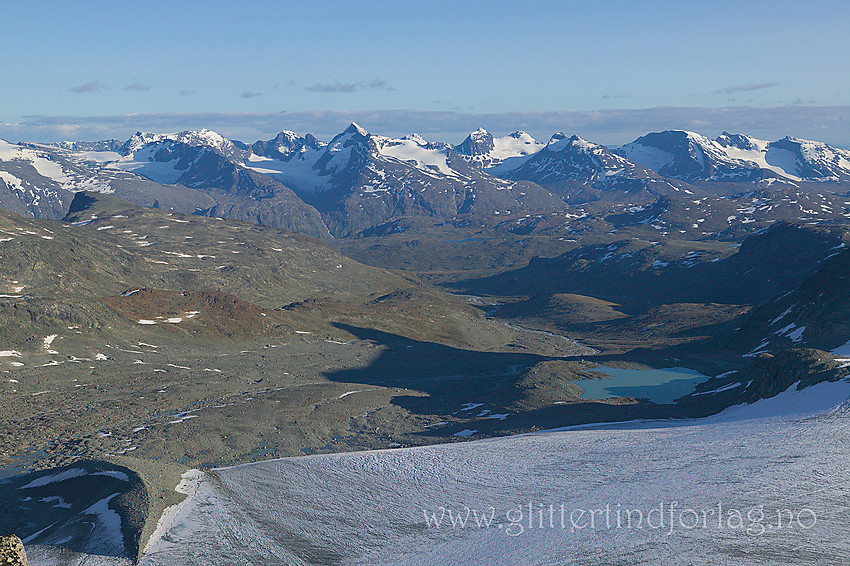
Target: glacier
766,483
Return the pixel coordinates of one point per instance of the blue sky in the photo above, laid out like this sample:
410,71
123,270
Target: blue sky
84,70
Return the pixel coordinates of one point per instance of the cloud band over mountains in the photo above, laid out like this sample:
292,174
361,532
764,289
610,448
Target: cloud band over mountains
825,123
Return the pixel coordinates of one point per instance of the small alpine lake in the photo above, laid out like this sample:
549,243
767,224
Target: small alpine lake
658,385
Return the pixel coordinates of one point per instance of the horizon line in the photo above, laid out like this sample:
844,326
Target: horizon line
828,123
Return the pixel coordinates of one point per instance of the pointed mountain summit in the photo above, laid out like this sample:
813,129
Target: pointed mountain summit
355,128
286,145
477,144
480,148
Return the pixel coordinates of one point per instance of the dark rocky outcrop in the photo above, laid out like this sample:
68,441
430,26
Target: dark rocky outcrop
12,551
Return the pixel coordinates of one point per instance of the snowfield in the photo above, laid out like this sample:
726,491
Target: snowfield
766,483
414,149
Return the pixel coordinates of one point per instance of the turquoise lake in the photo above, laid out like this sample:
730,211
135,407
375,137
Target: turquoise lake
657,385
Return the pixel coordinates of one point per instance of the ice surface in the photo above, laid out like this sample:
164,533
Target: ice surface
815,399
11,181
61,476
783,161
773,159
511,146
749,463
650,157
298,172
142,161
110,540
48,340
8,150
842,350
413,151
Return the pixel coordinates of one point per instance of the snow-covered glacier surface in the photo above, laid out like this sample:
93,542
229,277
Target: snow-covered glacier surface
767,483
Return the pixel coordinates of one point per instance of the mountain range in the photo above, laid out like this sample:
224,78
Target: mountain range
359,180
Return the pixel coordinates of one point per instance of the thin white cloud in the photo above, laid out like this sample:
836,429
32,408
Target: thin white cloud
84,88
744,88
336,86
137,87
250,94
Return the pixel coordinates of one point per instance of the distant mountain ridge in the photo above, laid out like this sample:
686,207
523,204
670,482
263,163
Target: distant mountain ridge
736,157
359,180
567,164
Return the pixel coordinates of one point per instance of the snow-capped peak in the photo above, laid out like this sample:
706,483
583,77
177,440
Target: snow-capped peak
8,150
480,147
285,145
582,143
675,153
355,128
741,141
814,160
416,138
141,139
560,142
556,137
525,137
200,138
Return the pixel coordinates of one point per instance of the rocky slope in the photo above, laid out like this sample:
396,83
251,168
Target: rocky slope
766,265
812,315
211,164
121,323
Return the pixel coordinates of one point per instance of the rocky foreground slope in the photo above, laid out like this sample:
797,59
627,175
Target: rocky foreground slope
123,326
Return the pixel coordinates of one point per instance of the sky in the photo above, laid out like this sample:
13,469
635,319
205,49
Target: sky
608,71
